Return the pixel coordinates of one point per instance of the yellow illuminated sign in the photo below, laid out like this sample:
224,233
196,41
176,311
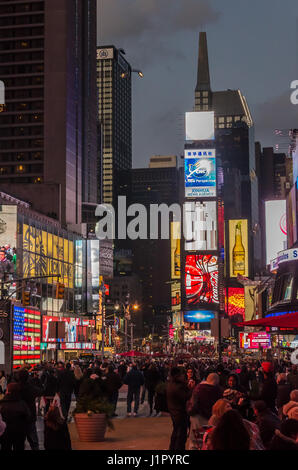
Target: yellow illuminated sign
238,247
175,250
45,254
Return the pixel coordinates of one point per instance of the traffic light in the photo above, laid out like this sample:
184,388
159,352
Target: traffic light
26,298
60,291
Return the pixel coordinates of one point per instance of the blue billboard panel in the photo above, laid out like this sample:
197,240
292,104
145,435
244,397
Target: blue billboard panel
199,316
200,173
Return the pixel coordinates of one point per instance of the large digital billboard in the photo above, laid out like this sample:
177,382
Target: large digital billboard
238,243
276,228
235,303
26,336
201,279
200,173
175,250
254,340
199,125
200,226
76,330
199,316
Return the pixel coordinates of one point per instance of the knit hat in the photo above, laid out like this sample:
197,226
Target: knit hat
267,367
289,406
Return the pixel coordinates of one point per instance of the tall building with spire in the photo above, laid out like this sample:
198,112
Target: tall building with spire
235,149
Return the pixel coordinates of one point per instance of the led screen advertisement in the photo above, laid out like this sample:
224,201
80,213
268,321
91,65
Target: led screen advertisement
235,302
254,340
199,126
200,173
238,247
276,228
77,331
200,226
26,336
201,279
198,316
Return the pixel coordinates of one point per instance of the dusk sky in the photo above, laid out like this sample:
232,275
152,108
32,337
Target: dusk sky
252,46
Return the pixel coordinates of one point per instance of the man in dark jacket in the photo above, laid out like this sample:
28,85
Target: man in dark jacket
16,415
267,422
29,393
122,368
204,396
134,379
268,392
178,394
152,378
113,383
283,393
66,385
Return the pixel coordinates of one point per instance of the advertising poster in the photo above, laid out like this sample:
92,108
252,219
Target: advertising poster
199,125
201,279
175,250
26,336
235,304
200,173
276,228
8,226
199,316
76,330
176,296
200,226
292,216
238,247
254,340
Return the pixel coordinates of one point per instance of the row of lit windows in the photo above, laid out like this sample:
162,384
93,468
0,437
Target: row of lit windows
5,170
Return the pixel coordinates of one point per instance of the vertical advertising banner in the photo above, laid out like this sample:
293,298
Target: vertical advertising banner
292,216
200,173
201,279
276,228
199,125
175,250
200,226
238,247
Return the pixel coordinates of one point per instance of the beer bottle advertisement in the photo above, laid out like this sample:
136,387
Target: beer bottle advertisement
238,237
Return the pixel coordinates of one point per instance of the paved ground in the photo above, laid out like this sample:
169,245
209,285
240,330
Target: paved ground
140,433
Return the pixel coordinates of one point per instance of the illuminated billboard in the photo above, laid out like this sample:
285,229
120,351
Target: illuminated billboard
199,316
76,331
235,303
254,340
199,125
276,228
200,226
201,279
238,242
175,250
200,173
26,336
176,296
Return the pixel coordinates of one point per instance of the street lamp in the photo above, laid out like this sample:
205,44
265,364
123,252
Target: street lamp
126,308
126,74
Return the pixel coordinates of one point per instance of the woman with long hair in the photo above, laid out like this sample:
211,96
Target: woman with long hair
230,433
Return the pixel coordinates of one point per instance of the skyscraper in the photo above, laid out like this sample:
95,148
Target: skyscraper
235,147
48,132
115,116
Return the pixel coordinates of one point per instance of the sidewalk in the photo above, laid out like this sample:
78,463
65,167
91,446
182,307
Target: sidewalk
130,433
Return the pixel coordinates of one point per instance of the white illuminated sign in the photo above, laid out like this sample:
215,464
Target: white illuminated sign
199,126
276,228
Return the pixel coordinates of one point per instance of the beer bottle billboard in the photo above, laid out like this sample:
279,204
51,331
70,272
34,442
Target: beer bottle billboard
238,234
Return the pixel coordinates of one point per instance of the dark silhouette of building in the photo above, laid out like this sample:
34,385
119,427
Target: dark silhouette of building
48,131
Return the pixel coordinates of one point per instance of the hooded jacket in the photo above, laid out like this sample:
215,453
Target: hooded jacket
203,398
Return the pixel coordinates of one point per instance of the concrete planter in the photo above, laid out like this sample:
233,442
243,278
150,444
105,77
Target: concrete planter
91,427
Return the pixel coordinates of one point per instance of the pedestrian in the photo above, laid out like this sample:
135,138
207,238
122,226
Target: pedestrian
151,377
29,393
56,433
66,385
287,437
50,386
283,393
205,394
16,415
290,410
3,383
113,383
178,394
78,375
268,391
230,433
267,422
134,379
293,377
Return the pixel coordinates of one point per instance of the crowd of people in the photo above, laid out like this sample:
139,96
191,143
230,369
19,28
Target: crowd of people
213,406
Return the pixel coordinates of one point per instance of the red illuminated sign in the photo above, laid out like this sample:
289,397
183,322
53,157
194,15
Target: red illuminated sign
201,279
235,301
